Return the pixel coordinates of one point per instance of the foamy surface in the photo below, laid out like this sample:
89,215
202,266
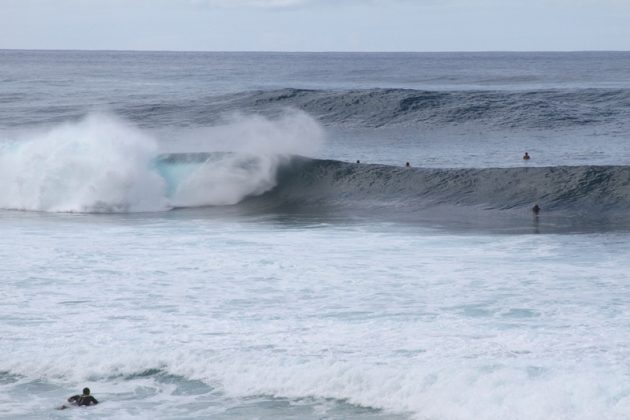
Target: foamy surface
190,318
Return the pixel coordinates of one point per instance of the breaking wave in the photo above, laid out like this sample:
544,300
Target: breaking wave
103,164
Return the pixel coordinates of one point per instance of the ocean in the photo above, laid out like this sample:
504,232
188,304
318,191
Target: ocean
237,235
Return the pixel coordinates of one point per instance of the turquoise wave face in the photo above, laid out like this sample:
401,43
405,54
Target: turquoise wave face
173,173
176,168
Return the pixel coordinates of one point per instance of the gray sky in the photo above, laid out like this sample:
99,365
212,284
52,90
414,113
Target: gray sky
316,25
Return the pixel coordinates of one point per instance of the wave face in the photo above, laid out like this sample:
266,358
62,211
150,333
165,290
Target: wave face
542,109
577,189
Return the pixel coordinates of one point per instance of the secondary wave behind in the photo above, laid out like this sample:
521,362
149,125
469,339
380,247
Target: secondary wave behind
501,109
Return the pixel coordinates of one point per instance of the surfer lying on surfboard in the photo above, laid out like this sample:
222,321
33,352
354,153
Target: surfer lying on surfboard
82,400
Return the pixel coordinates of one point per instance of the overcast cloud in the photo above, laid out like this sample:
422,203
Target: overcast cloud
316,25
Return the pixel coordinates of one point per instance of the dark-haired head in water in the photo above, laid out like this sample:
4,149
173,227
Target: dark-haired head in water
536,209
83,400
407,164
526,156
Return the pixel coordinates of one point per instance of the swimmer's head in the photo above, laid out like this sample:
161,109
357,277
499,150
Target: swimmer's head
86,391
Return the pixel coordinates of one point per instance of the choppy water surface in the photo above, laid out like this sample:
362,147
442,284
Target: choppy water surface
162,243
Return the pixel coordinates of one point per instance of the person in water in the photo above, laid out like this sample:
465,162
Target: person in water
83,400
407,164
536,209
526,156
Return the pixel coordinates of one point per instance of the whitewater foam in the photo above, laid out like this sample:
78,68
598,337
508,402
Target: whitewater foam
432,325
99,164
103,164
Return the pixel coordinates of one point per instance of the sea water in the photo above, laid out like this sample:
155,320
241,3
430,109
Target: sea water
190,236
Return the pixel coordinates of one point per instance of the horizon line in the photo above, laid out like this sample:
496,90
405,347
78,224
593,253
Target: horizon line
314,51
